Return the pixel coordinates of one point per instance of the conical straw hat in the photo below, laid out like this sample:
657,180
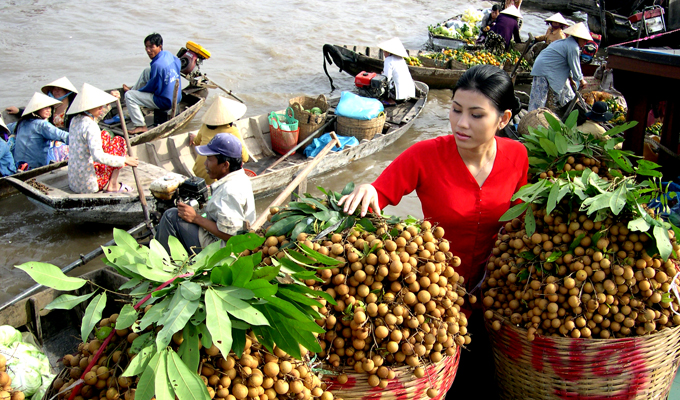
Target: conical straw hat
224,111
2,124
38,102
88,98
394,46
579,30
63,83
557,18
513,11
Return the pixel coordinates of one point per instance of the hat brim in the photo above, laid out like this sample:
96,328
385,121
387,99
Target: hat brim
205,151
599,117
63,83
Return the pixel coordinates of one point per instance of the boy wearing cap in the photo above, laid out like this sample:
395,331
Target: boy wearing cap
231,206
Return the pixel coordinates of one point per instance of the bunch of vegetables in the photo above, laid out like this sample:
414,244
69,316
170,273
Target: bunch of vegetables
618,111
472,16
654,129
588,259
24,370
464,32
222,299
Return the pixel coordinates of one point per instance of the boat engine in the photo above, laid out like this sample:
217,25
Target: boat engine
167,191
191,57
371,84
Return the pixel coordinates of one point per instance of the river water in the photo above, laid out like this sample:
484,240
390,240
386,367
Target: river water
265,51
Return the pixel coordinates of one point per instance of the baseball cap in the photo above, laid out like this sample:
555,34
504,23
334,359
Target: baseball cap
223,143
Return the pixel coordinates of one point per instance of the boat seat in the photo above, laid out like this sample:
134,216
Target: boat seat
167,154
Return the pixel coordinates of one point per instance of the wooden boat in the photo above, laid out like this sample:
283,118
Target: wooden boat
193,98
58,331
50,190
359,58
176,154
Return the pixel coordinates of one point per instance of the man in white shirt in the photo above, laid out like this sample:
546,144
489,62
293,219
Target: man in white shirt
401,85
229,210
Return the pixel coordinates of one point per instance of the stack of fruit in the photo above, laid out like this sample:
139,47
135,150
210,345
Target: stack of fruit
589,259
397,292
6,391
415,61
479,57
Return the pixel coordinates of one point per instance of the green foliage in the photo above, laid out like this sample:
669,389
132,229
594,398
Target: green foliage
214,297
616,195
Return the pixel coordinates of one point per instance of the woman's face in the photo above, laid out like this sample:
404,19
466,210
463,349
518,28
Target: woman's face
57,92
474,119
45,113
556,25
96,112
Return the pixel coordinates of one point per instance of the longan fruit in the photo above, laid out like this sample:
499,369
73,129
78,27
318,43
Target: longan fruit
240,391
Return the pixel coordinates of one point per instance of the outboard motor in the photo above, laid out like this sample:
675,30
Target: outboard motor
371,84
191,57
172,188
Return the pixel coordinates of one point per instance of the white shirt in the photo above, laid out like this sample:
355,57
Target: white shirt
231,204
399,77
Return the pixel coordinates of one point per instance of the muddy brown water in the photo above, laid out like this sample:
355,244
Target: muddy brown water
266,52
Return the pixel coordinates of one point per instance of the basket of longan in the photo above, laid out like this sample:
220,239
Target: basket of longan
581,319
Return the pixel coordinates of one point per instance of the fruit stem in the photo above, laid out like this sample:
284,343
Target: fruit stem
76,390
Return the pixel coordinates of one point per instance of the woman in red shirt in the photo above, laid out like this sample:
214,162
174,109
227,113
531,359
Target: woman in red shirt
465,182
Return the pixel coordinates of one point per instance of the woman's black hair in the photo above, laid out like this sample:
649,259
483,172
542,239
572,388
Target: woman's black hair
492,82
23,119
234,163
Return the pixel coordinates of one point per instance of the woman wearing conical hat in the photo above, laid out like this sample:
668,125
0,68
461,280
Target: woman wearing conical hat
557,63
395,69
96,158
219,118
34,133
507,26
62,90
556,24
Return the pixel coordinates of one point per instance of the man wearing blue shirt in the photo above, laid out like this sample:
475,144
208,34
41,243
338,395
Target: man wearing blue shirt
156,85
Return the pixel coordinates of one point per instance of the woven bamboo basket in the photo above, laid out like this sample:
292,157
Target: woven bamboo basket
309,122
404,385
640,367
360,129
533,119
51,392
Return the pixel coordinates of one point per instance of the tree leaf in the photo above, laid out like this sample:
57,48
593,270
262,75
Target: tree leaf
560,144
576,242
125,240
199,315
201,260
300,258
598,202
312,292
188,350
67,301
217,321
284,226
246,241
130,284
240,309
529,222
239,337
320,258
141,342
139,363
367,225
514,212
93,314
288,309
177,251
238,292
552,198
554,256
638,224
146,388
554,123
242,270
127,317
51,276
349,188
184,380
162,382
663,242
618,199
267,273
571,119
154,314
177,319
206,337
262,288
190,290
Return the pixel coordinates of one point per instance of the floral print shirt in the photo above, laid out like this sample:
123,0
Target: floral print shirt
85,147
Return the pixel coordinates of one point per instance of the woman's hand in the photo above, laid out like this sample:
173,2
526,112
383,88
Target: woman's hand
131,161
12,110
366,195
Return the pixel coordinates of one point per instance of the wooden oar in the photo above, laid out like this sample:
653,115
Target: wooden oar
140,190
301,176
307,139
84,259
528,46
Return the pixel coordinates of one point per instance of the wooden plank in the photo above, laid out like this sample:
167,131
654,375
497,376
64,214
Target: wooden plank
180,167
645,67
152,154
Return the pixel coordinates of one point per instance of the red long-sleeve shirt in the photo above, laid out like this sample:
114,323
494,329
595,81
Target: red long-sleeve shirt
452,198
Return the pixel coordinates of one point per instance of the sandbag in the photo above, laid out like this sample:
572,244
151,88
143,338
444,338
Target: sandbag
357,107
